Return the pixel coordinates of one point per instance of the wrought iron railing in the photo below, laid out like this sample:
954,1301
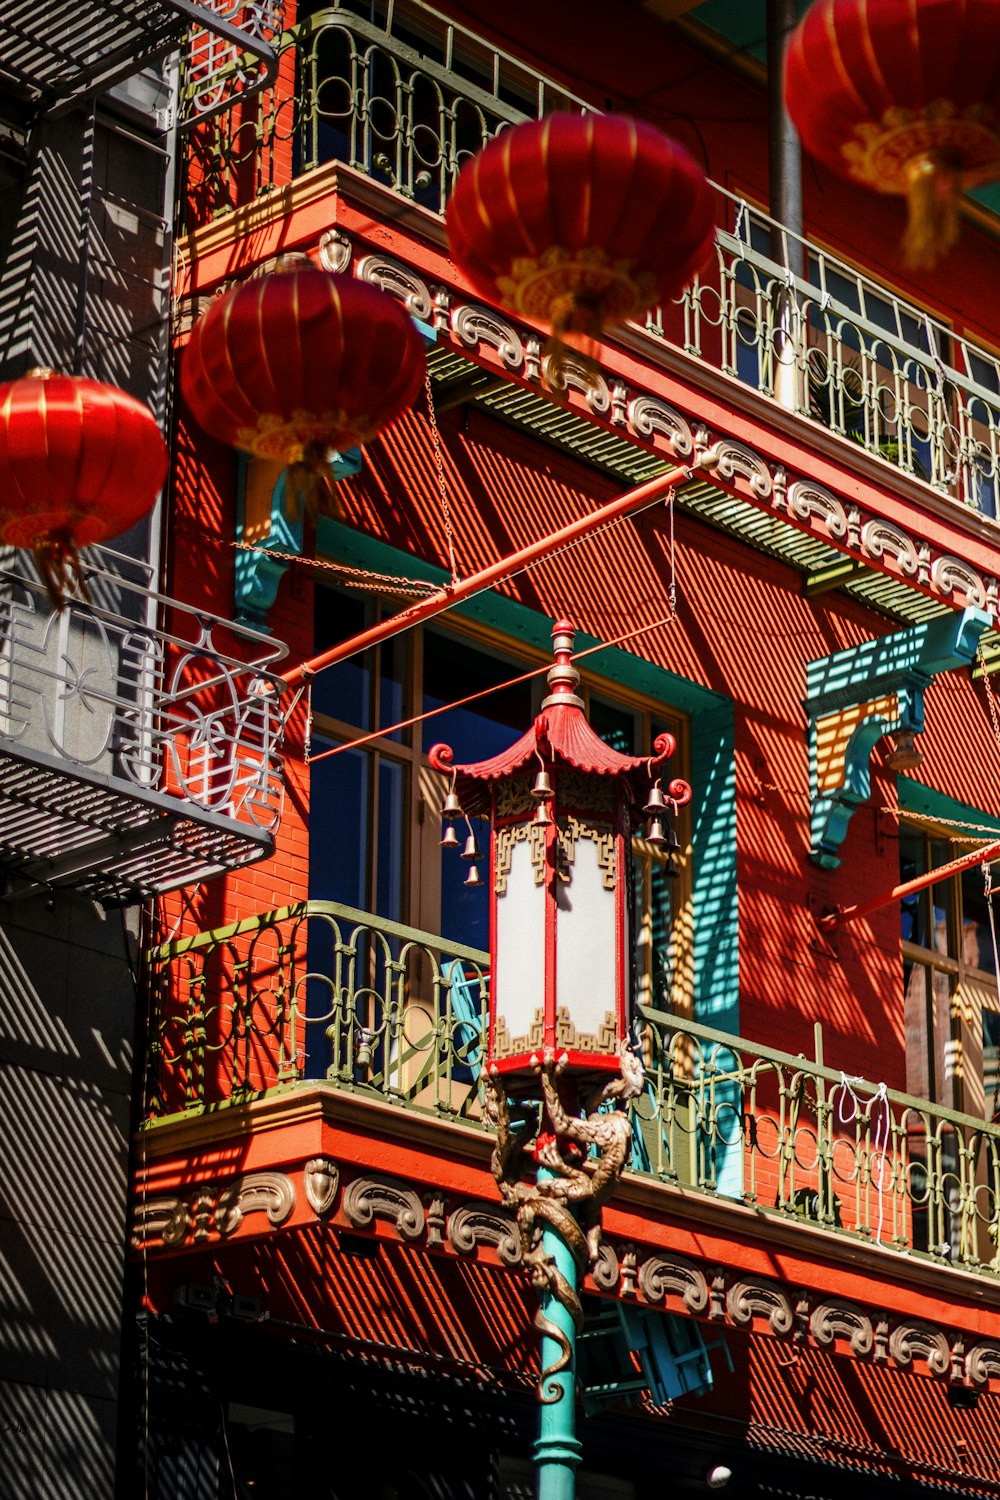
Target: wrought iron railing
407,96
318,991
137,734
325,993
793,1136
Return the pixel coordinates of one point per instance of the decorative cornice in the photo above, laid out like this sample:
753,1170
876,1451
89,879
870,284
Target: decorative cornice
333,180
670,1281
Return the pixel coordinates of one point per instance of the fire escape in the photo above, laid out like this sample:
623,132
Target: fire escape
139,739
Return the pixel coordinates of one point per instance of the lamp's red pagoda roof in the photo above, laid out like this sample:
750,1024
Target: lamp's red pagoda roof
561,733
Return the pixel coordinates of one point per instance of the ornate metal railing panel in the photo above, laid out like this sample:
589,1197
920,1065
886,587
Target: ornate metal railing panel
132,734
791,1136
319,991
326,993
406,96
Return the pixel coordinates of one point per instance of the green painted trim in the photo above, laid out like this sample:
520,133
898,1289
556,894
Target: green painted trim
928,802
713,762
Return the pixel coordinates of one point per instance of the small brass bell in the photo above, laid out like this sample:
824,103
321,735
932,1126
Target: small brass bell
542,789
473,876
673,865
472,851
452,807
541,818
657,802
655,832
450,839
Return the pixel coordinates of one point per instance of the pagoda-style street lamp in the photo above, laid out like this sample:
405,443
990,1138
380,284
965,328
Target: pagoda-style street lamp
562,806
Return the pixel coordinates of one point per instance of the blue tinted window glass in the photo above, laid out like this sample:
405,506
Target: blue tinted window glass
338,826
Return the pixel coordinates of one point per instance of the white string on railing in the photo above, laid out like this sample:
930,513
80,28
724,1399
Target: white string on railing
858,1111
741,214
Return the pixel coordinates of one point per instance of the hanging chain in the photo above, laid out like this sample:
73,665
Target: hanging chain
672,590
382,583
990,696
442,482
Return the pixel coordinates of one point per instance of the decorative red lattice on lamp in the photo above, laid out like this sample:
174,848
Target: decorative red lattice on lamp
901,95
577,221
300,364
80,462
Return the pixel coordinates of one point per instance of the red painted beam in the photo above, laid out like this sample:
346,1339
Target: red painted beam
463,588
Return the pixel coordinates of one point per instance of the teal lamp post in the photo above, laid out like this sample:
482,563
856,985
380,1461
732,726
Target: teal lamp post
562,806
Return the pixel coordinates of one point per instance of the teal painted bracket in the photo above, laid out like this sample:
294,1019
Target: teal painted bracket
902,665
259,573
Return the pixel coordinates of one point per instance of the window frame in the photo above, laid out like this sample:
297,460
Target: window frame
421,855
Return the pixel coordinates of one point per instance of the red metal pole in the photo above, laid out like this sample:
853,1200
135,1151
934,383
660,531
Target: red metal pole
841,914
454,593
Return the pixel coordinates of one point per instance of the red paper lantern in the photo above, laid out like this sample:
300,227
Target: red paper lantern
901,95
301,363
79,462
576,221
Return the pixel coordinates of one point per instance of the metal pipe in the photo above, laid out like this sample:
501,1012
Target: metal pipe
505,567
784,162
841,914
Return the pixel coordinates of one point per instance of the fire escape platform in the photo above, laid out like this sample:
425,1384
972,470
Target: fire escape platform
83,829
134,758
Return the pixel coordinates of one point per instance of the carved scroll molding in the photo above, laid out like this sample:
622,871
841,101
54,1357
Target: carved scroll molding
605,1271
750,1298
399,281
730,459
648,416
808,501
381,1197
982,1361
570,373
321,1178
271,1193
881,538
168,1219
950,574
923,1339
833,1317
473,325
481,1223
661,1274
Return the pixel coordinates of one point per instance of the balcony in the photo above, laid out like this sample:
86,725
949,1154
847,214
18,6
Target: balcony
777,319
319,995
137,753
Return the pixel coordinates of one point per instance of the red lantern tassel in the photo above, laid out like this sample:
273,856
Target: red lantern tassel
577,320
934,189
58,562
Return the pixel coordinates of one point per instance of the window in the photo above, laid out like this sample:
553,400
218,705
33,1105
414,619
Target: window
375,827
951,1010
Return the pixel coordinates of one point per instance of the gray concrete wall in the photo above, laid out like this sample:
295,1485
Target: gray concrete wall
67,1018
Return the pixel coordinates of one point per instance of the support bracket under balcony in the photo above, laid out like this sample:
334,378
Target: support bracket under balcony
857,696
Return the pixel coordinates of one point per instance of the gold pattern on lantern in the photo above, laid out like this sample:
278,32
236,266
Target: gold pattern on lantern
506,839
570,829
567,1036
